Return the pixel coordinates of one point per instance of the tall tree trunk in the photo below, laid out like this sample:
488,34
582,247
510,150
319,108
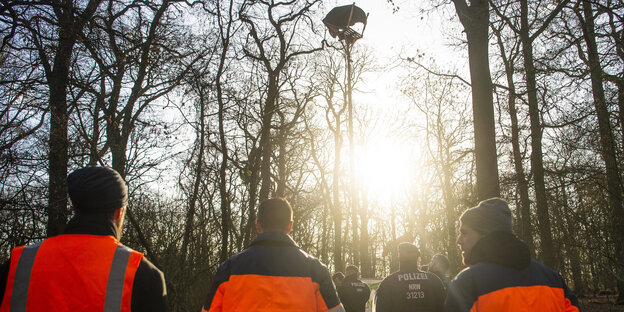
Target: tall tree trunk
608,147
266,144
450,217
199,166
365,268
253,195
325,230
392,245
58,79
475,19
547,250
355,237
353,187
95,155
225,201
336,207
444,159
620,86
223,192
525,229
572,251
280,189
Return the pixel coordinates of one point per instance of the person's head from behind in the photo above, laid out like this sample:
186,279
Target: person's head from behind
274,215
352,270
337,278
99,191
439,264
489,216
409,255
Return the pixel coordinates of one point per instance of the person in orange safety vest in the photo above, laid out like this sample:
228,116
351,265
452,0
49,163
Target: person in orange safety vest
272,274
502,276
86,268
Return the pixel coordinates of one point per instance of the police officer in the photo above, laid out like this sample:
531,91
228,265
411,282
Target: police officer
352,292
337,278
439,266
410,289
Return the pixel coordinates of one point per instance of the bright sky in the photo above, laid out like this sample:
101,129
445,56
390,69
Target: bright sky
387,159
407,30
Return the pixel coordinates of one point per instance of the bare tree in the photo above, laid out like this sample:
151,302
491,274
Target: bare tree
527,38
607,142
62,21
138,53
275,44
475,19
446,126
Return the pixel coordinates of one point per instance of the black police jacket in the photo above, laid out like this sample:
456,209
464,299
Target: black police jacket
353,294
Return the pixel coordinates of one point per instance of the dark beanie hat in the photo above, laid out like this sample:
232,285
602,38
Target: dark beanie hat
408,251
490,215
96,189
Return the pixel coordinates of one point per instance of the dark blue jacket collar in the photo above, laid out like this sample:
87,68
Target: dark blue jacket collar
350,278
92,224
501,248
274,238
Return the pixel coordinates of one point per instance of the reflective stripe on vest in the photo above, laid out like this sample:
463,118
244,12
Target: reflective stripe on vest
116,279
114,287
22,278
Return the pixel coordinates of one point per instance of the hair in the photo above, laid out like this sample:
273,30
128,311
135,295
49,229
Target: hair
441,260
275,214
338,275
408,251
351,269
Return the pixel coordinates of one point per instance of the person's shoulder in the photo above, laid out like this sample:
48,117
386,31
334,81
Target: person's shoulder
361,282
313,261
149,285
467,275
390,278
248,252
434,278
431,275
147,268
537,267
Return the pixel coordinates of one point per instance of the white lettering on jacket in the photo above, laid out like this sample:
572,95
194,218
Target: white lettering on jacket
412,276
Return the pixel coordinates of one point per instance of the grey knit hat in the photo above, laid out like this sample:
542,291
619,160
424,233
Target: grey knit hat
489,216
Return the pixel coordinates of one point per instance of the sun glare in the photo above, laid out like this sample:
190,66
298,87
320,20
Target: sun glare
384,169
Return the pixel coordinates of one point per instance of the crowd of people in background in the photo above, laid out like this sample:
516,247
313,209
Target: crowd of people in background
88,269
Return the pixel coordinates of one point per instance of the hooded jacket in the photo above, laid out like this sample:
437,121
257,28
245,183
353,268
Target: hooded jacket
503,277
273,274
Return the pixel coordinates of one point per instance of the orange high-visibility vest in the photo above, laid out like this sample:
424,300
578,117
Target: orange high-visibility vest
72,272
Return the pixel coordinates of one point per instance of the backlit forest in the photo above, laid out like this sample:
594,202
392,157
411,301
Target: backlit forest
207,108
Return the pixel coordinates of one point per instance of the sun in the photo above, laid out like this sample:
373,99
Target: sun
383,168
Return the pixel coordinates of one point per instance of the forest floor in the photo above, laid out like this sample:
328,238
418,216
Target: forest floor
600,304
